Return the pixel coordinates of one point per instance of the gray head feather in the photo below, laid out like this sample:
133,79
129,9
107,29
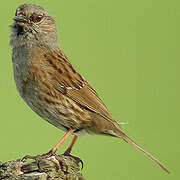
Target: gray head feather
33,26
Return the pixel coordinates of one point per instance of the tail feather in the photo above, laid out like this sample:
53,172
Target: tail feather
130,141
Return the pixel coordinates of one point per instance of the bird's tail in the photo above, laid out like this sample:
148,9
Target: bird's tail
130,141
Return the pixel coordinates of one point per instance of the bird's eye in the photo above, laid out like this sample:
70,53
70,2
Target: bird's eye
39,18
36,17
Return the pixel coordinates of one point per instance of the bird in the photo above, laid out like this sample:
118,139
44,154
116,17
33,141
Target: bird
52,87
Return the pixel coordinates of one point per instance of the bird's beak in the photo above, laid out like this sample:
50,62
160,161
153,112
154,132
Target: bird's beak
20,18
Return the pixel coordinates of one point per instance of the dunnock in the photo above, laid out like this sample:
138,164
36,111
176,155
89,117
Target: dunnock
50,85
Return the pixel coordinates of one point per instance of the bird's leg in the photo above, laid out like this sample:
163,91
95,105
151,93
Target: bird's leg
53,150
56,147
68,151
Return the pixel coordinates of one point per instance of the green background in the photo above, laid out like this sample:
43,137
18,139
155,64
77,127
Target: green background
129,51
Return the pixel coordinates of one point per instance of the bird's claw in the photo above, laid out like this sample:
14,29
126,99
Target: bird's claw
77,159
42,156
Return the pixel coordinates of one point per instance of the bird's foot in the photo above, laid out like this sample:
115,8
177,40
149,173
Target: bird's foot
48,155
42,156
77,159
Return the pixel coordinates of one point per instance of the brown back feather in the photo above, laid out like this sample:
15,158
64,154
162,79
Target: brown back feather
73,85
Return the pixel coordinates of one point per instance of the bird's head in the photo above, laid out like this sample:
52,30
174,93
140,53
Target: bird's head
33,23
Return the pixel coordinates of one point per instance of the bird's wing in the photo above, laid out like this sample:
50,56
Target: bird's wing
69,82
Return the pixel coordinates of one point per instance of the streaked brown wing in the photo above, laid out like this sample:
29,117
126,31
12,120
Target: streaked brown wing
87,97
69,82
